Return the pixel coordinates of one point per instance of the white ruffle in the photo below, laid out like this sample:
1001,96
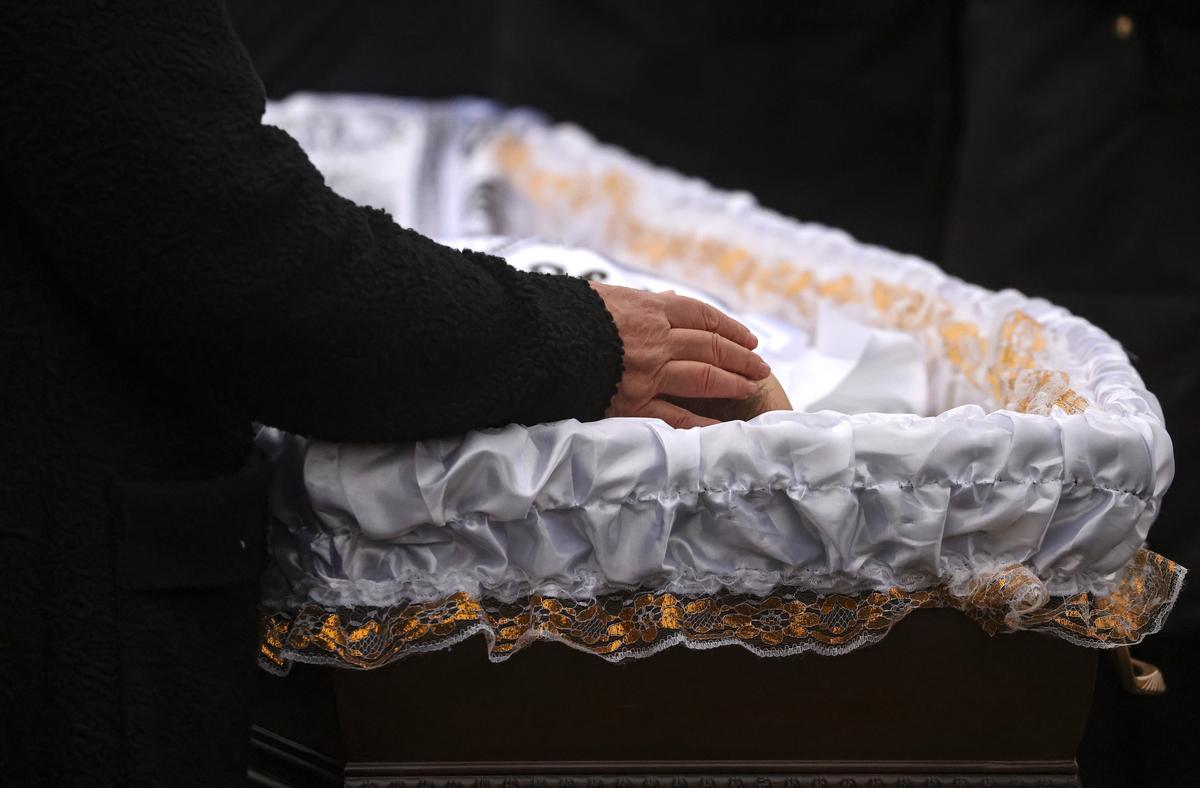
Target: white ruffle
825,500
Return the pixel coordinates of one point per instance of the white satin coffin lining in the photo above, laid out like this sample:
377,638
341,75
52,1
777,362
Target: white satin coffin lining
825,500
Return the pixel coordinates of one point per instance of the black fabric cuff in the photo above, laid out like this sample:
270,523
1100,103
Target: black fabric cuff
582,353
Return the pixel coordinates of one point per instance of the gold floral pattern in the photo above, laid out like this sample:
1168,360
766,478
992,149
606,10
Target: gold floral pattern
1043,390
790,620
994,362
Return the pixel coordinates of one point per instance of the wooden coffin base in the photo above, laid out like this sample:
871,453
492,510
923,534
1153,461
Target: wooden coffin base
938,702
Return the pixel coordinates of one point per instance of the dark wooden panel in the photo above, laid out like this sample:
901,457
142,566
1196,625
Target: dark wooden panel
936,689
814,778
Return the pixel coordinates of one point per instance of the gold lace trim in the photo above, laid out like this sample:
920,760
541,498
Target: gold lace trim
791,620
993,364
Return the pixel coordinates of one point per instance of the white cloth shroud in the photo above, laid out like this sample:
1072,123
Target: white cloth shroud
847,366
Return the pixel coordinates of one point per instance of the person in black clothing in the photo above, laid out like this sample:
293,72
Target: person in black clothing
171,270
1077,178
833,112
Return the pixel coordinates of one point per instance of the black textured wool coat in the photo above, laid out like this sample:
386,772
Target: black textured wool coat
170,271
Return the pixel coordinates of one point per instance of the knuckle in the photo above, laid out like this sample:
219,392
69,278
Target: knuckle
716,348
657,379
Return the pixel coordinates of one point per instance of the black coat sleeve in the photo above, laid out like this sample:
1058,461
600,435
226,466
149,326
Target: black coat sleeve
206,243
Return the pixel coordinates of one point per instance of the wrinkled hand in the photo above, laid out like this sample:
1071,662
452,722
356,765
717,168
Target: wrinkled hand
677,346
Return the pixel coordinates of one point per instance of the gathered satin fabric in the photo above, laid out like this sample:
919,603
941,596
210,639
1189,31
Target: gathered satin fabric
915,465
822,500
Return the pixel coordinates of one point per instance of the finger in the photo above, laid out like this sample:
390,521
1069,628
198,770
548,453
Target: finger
684,312
674,415
693,345
697,379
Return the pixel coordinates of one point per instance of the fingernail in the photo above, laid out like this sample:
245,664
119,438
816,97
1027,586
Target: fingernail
762,369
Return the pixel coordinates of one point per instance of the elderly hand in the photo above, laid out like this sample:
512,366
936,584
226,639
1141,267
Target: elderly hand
677,346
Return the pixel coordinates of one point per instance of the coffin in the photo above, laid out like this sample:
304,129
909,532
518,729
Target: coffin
966,464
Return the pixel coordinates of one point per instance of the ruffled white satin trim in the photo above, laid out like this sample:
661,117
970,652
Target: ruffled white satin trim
824,500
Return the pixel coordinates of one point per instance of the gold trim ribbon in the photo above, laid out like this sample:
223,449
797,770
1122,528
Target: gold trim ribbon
790,620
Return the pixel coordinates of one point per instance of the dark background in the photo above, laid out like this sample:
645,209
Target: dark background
1048,145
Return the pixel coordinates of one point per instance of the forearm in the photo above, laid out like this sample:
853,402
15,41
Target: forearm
209,246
